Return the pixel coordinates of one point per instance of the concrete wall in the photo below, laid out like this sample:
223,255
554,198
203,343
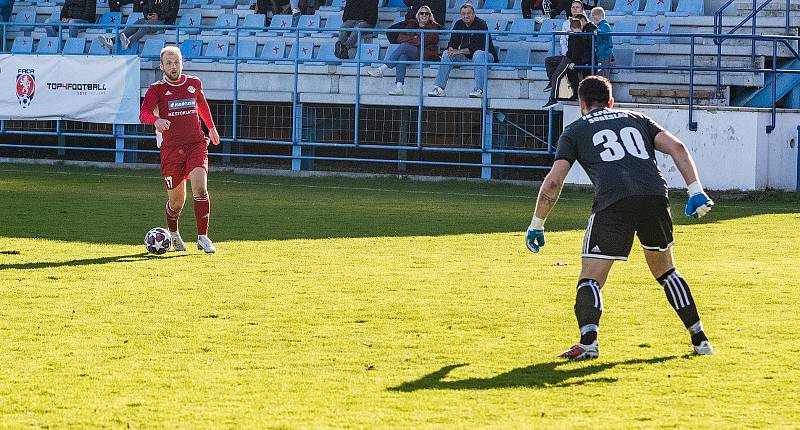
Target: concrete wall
731,147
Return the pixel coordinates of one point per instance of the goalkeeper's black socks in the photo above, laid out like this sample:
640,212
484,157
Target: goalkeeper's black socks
680,297
588,309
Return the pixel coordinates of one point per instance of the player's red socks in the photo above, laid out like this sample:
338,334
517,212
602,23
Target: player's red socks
202,211
172,218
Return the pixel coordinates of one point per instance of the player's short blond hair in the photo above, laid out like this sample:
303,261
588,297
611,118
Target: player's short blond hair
170,49
598,13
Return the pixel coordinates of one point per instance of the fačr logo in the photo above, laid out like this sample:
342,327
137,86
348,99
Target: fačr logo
26,86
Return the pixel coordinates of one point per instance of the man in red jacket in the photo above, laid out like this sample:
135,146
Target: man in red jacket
175,105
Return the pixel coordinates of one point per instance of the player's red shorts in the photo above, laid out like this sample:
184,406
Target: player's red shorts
177,161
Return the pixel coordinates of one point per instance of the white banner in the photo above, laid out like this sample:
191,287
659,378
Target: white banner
102,89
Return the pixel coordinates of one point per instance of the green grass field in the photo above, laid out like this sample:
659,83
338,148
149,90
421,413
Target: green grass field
376,303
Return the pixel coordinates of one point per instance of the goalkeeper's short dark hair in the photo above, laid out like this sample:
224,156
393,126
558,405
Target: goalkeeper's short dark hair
595,91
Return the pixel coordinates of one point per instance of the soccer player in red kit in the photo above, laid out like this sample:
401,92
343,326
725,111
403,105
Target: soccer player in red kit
175,105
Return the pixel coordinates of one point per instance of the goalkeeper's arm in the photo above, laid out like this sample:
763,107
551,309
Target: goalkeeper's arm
548,196
699,203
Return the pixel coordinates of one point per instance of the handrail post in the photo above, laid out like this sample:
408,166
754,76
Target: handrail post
774,84
753,32
692,122
421,77
486,115
358,84
235,109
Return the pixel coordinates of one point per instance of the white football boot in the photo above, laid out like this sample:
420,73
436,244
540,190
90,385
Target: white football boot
704,348
204,244
177,242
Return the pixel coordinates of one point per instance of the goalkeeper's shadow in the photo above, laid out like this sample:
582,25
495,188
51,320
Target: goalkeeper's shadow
550,374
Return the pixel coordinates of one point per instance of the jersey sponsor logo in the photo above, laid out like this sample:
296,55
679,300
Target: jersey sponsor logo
181,104
604,115
26,86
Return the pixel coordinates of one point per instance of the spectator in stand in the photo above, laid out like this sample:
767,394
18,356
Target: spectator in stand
578,54
6,6
410,46
277,7
357,14
604,44
555,7
552,62
438,7
156,12
115,5
464,47
74,12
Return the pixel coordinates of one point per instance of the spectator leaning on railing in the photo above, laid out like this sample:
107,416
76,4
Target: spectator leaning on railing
74,12
604,44
6,6
357,14
409,48
438,9
464,47
156,12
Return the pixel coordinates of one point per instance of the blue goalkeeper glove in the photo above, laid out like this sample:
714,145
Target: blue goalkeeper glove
535,237
699,203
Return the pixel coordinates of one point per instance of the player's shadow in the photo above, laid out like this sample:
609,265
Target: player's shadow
541,375
129,258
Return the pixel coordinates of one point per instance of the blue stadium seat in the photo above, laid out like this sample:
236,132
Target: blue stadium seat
689,8
305,52
215,50
196,3
273,50
74,46
623,57
279,24
97,48
326,54
152,49
48,45
133,17
624,7
496,24
655,7
527,28
24,16
110,20
22,45
549,26
369,54
245,50
659,24
396,5
191,49
625,26
492,6
516,55
224,20
253,20
189,24
219,4
333,21
336,6
308,22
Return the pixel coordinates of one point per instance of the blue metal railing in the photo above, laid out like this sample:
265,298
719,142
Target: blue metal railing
486,147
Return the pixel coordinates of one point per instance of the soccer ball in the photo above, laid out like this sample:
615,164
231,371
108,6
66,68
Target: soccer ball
157,241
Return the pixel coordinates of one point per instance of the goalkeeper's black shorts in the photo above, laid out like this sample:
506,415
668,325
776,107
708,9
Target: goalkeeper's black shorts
609,234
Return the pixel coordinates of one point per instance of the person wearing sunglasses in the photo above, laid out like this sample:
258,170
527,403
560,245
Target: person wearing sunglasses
410,48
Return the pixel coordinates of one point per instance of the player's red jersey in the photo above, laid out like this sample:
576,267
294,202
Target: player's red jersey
183,104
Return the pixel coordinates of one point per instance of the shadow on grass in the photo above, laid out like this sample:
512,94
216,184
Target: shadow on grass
542,375
130,258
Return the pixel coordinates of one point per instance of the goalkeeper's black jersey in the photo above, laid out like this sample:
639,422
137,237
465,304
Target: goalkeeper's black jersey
616,148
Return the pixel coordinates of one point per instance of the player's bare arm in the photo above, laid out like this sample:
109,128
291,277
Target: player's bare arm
551,189
699,203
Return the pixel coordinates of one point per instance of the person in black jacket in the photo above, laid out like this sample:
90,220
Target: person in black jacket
115,5
357,14
156,12
579,52
439,8
74,12
464,47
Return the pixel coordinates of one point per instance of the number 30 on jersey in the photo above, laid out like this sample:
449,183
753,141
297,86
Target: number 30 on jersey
632,143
